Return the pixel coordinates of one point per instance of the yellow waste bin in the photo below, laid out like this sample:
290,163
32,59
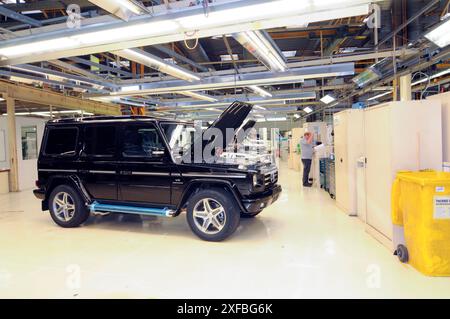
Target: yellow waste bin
421,204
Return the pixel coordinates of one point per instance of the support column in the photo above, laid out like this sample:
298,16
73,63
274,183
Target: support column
12,142
405,88
395,89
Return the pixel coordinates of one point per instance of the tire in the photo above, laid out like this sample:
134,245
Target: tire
201,218
402,253
67,208
250,215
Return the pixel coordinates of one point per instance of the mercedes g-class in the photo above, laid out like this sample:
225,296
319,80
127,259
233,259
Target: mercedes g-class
136,165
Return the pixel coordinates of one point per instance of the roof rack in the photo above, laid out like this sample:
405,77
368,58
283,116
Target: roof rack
113,118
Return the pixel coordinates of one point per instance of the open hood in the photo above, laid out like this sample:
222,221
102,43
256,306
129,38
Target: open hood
231,119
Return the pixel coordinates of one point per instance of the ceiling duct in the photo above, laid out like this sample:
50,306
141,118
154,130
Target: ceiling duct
123,9
261,45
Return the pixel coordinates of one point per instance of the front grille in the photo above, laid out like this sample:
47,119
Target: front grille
271,178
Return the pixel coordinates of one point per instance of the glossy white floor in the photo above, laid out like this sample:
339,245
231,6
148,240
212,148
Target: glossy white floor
301,247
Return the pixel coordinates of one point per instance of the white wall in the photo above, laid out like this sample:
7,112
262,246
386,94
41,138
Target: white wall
27,168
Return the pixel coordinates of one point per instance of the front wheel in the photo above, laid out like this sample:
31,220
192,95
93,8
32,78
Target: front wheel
212,214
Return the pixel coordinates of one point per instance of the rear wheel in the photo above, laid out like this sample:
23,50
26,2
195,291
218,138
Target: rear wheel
67,207
212,214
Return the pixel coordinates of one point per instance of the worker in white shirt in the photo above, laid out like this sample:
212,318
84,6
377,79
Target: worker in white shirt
307,145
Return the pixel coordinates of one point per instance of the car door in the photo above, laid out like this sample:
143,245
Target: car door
98,161
145,165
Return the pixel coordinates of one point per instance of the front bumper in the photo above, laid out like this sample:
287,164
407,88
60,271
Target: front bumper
39,193
256,204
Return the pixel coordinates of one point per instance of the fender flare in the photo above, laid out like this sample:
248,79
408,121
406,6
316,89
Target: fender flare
72,180
229,185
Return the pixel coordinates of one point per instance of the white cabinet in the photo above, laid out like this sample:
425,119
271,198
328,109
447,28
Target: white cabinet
444,98
397,136
348,148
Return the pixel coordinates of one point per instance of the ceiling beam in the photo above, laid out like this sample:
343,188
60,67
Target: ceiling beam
242,80
170,27
42,97
345,58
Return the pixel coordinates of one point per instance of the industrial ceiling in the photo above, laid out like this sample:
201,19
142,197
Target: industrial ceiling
190,59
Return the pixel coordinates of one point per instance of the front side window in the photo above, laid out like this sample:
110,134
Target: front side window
100,141
142,141
179,136
61,141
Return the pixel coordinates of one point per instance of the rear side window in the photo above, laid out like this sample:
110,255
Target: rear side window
61,141
100,141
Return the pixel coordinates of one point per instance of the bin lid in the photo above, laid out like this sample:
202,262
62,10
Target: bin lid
425,177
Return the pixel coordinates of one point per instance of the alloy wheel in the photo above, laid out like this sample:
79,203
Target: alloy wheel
64,206
209,216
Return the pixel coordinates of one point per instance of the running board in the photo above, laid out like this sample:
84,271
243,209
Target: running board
125,209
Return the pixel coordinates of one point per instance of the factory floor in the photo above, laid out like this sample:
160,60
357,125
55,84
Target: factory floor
301,247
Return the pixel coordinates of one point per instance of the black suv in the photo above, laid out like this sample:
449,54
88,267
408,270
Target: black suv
135,165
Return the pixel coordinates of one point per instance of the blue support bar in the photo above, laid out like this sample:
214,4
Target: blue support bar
97,207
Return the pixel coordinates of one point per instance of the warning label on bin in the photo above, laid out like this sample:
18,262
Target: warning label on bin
441,207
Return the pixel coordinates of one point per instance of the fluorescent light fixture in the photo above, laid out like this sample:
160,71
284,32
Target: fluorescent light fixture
276,119
442,73
123,9
60,77
289,54
198,96
440,35
89,38
130,88
249,13
258,45
379,95
213,109
157,64
31,12
228,57
24,80
260,91
259,107
327,99
308,109
129,5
